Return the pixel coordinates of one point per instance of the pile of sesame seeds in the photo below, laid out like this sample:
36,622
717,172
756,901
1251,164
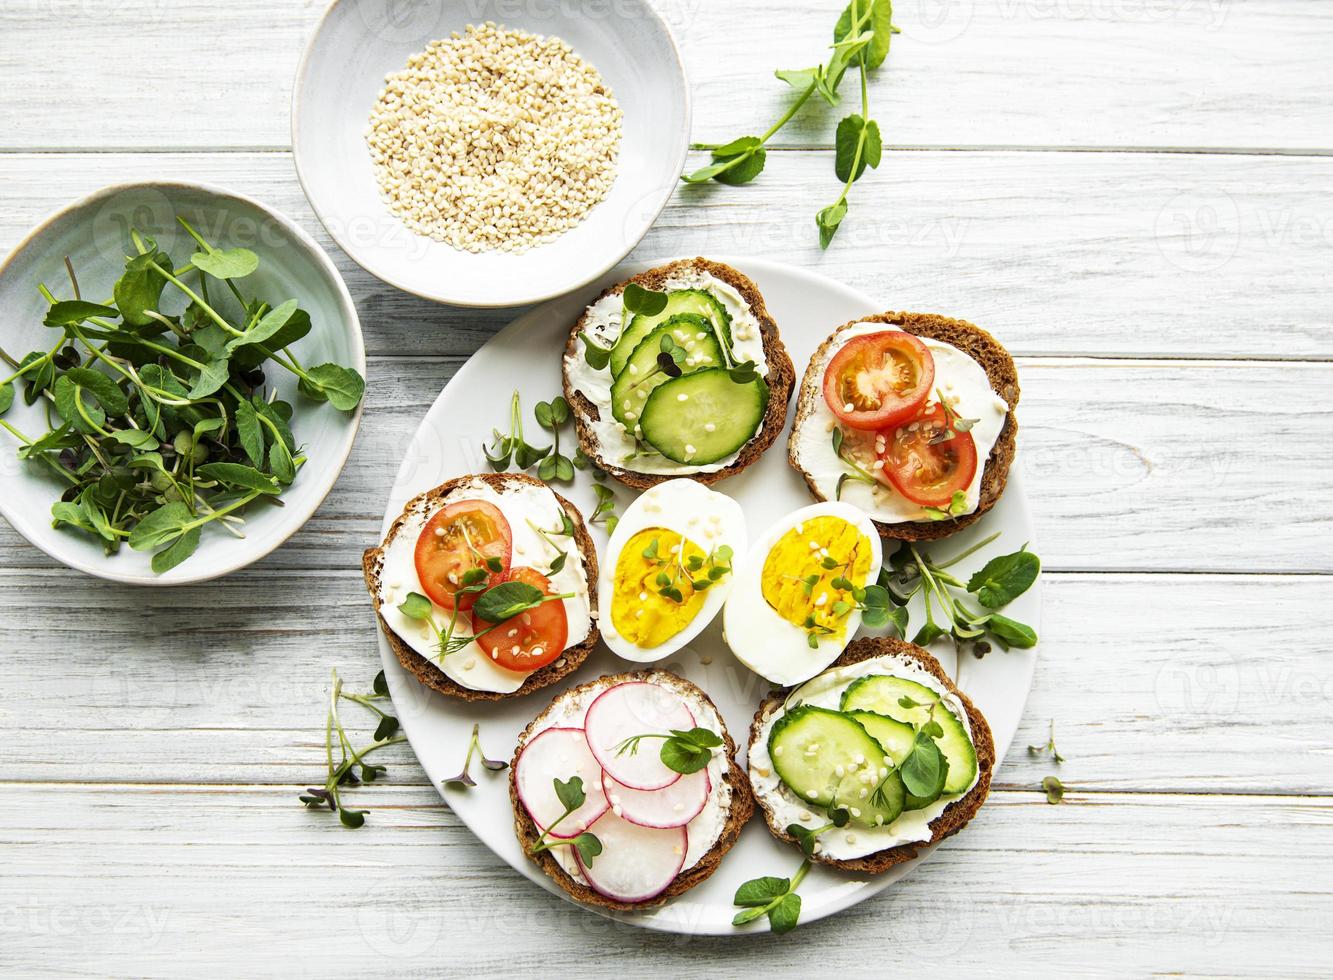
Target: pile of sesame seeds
494,140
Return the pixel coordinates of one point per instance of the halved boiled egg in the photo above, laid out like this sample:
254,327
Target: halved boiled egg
668,568
792,609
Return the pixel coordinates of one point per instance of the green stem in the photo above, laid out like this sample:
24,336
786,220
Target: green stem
970,551
203,305
787,116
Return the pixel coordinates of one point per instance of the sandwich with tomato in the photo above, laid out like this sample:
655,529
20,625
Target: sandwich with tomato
486,587
910,417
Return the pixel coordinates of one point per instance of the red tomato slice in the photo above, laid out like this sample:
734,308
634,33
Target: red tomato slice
460,537
531,639
879,380
924,473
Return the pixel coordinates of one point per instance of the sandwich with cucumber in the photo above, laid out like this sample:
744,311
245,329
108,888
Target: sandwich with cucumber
878,756
909,417
677,372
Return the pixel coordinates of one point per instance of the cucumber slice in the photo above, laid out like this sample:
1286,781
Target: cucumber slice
631,389
880,693
894,737
808,745
695,301
703,417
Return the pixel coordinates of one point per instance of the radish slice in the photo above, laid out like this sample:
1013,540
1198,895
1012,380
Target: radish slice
626,710
674,806
559,753
636,863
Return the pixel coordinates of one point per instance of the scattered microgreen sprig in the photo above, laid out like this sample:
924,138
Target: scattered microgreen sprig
464,779
861,40
682,751
351,769
604,512
776,897
912,571
565,530
571,795
161,424
1038,750
551,416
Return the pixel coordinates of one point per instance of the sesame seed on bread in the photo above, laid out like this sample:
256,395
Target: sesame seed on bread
1003,376
781,376
956,815
739,810
425,670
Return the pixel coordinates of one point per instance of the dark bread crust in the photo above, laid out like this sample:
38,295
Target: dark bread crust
956,814
781,376
741,809
1003,376
428,673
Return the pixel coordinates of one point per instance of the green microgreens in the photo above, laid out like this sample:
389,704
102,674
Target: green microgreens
1055,790
684,752
551,416
495,604
859,474
344,772
597,356
672,569
162,424
639,300
605,511
464,779
861,39
565,530
513,447
776,897
1037,750
872,601
572,796
911,571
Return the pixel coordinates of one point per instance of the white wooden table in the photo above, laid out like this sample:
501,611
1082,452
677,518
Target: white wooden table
1133,194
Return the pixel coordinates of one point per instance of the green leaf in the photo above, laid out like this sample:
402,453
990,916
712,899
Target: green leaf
570,794
250,356
705,737
542,412
213,376
1003,579
231,263
162,525
135,438
238,475
342,386
381,685
1055,790
1012,632
799,78
559,410
101,387
881,23
683,757
588,847
505,601
416,606
705,174
921,768
71,311
927,635
38,380
598,357
280,462
140,287
250,432
761,891
352,819
746,166
848,137
70,513
266,328
68,399
828,221
6,396
785,915
96,515
649,302
277,418
181,549
748,915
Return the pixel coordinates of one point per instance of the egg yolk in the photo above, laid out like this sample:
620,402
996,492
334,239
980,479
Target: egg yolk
798,582
639,611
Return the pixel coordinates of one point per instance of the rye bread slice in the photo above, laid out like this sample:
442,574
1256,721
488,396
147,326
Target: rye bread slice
781,376
425,670
738,813
1003,376
956,814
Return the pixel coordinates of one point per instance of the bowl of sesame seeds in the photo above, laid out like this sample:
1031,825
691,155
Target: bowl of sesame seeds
490,153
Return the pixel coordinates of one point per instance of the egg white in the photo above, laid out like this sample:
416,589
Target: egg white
692,510
519,502
760,638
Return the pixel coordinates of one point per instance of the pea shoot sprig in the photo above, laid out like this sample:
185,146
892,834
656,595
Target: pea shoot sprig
701,572
861,41
495,604
776,897
682,751
351,769
571,795
912,571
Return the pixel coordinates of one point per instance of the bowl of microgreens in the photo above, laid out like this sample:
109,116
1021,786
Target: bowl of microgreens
182,380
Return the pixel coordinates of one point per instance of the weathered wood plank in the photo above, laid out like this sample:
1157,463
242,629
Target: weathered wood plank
1156,73
1056,253
1155,682
152,881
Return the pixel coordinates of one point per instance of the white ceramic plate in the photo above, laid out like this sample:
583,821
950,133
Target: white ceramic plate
360,41
94,233
806,307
